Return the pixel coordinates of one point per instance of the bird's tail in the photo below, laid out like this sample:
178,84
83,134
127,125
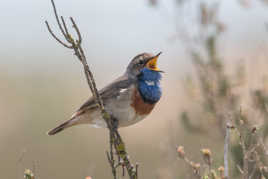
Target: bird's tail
62,126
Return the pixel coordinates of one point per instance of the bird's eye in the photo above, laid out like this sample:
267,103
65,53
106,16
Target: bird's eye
140,62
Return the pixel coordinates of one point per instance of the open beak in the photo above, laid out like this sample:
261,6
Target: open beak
152,63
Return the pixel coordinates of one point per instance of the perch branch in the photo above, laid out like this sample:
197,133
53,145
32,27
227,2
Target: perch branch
116,141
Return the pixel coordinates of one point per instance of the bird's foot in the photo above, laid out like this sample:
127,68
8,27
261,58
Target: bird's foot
114,123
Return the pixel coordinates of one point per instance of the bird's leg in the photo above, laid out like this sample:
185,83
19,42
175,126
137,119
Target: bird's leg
114,123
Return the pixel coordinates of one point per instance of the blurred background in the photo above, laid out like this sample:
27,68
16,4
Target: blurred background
209,47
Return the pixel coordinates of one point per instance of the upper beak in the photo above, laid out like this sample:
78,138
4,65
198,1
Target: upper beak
157,55
152,63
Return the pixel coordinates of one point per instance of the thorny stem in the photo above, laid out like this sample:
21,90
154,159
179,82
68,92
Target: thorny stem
116,141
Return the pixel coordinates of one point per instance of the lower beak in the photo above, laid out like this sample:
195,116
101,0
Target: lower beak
152,63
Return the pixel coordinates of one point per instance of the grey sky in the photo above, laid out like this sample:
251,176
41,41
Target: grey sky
119,29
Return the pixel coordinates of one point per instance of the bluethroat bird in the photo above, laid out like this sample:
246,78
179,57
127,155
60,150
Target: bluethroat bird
128,99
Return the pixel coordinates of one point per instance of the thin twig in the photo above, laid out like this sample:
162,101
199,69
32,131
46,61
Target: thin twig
226,150
112,156
57,18
111,161
65,29
245,156
239,169
55,37
195,166
77,31
137,166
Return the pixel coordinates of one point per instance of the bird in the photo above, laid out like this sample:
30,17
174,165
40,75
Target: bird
128,99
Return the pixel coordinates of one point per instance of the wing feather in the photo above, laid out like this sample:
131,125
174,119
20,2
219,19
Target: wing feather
110,91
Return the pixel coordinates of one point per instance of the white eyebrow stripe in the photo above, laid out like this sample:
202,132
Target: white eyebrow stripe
150,83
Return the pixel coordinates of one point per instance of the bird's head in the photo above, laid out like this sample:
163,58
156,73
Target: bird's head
141,61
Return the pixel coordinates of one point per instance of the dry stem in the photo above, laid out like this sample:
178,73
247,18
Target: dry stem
226,150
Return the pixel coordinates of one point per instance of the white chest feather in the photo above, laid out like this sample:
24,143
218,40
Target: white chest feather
150,83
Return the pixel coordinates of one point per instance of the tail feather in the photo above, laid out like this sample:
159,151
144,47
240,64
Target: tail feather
61,127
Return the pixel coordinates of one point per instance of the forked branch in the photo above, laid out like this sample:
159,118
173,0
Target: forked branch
116,141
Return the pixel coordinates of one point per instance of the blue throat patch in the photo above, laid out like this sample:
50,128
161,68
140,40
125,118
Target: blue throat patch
149,85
